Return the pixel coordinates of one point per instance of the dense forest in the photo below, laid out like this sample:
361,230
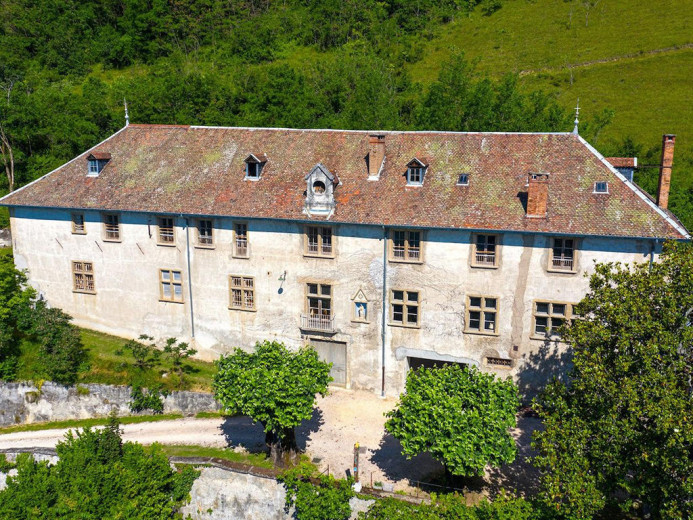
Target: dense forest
66,67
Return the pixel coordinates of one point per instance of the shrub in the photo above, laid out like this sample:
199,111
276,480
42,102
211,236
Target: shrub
317,498
143,399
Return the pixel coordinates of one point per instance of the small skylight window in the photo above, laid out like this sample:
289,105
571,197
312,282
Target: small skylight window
601,187
463,179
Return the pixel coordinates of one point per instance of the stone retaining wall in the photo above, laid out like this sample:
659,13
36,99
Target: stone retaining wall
24,403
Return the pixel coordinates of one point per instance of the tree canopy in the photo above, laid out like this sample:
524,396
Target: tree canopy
97,477
623,424
461,416
274,386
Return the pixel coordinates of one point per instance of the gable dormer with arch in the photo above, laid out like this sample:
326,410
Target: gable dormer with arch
320,186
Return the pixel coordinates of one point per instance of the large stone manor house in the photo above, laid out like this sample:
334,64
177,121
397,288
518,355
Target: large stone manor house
384,250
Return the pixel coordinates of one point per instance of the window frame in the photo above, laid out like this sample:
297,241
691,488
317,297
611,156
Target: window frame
106,224
319,295
421,173
552,246
160,228
171,281
482,310
236,237
244,289
320,234
406,303
75,230
550,316
407,246
86,273
475,250
599,192
198,237
460,182
93,167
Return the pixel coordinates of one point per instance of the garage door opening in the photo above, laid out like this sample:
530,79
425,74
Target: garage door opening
416,362
332,352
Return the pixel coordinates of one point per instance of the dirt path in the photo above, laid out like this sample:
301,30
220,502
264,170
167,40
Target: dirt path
340,420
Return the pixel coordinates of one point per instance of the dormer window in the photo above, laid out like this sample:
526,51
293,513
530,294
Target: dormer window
463,179
320,185
253,166
415,173
601,187
96,162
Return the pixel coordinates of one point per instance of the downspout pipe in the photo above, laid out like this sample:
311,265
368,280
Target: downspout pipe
384,312
652,251
190,291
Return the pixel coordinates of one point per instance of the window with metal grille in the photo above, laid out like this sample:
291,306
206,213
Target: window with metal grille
499,362
319,241
83,277
242,292
549,316
485,250
78,224
482,314
170,285
563,254
405,245
404,308
166,231
240,240
205,234
111,225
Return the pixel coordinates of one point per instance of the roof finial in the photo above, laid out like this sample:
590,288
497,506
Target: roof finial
577,114
127,116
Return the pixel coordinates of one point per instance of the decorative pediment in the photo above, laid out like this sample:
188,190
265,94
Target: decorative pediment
416,163
320,184
256,158
360,296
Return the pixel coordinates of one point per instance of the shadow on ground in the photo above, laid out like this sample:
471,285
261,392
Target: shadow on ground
395,466
241,432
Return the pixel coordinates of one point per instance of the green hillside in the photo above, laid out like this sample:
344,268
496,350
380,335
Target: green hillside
497,65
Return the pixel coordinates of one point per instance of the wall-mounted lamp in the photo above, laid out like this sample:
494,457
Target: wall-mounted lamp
282,278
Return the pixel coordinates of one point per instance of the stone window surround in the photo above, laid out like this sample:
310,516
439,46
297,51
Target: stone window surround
245,285
78,224
474,250
83,271
405,302
575,248
239,239
111,227
482,311
567,317
198,237
320,244
406,259
166,231
171,281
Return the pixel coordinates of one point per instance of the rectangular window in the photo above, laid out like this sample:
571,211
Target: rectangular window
415,175
563,254
240,240
111,224
463,179
94,167
78,224
601,187
482,315
405,246
319,241
242,292
485,250
171,285
318,307
205,234
252,170
166,231
404,308
549,316
83,277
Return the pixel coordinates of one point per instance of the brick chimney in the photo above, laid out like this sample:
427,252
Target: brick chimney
668,141
376,155
537,194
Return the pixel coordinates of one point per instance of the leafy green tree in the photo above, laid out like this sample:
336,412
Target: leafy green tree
97,477
16,301
275,387
460,416
622,426
178,353
62,350
146,357
320,497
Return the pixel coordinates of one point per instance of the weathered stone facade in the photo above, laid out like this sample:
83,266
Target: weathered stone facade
127,293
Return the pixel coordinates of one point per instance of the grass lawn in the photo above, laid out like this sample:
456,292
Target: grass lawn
87,423
106,367
254,459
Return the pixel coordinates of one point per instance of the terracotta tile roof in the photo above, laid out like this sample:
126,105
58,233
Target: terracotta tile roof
201,170
101,156
623,162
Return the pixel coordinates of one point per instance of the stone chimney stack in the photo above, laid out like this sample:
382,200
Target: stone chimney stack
376,155
667,162
537,194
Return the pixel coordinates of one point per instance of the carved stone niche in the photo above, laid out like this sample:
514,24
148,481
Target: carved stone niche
320,185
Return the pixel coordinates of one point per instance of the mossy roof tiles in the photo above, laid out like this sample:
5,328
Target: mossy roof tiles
201,171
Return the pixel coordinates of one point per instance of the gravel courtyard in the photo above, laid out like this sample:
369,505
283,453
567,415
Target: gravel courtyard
341,419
